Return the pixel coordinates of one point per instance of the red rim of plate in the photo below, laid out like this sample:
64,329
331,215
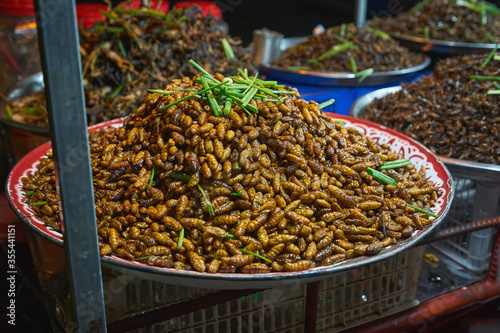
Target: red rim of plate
416,152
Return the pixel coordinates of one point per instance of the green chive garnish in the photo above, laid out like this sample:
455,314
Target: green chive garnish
354,67
37,203
180,176
255,254
493,92
236,193
383,178
117,91
326,103
144,258
423,211
484,77
122,49
395,164
152,176
180,240
29,193
487,60
209,205
364,74
227,49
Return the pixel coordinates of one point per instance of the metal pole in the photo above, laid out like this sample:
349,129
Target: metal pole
59,49
360,12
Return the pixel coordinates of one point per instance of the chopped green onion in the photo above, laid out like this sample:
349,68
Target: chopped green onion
255,254
340,122
487,34
299,68
8,111
29,193
37,203
326,103
191,96
201,69
122,49
180,176
496,57
227,106
493,92
484,77
364,74
209,204
336,49
152,176
488,58
117,91
237,166
228,235
158,91
180,240
108,15
395,164
383,178
423,211
342,29
144,258
227,49
426,32
211,99
236,193
379,33
496,84
354,68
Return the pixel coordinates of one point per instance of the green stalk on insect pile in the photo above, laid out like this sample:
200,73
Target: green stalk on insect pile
489,57
381,177
493,92
180,240
340,122
29,193
395,164
122,48
152,176
209,204
354,67
37,203
423,211
8,111
379,33
326,103
117,91
485,77
144,258
364,74
299,68
255,255
227,49
180,176
336,49
211,99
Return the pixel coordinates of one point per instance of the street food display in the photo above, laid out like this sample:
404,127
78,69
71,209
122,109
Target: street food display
225,174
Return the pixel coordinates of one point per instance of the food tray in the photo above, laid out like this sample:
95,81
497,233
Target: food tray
347,79
26,87
418,154
477,196
345,299
442,47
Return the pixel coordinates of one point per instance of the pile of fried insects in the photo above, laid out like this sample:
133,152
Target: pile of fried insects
238,174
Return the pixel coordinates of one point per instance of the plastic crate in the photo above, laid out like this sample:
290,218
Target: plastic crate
474,200
345,299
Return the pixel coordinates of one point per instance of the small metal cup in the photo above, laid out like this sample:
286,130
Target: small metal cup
266,46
